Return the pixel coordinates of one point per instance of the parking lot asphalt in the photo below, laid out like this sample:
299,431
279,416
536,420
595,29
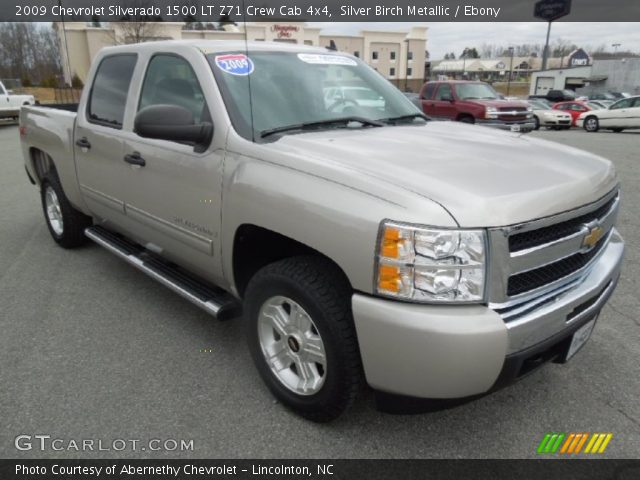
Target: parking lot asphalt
90,348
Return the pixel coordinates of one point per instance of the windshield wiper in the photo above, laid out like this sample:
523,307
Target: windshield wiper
411,116
321,123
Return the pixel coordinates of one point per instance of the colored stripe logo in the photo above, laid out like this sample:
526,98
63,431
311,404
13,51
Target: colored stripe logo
574,443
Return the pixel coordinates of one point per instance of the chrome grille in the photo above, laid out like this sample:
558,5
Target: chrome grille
545,255
522,241
532,279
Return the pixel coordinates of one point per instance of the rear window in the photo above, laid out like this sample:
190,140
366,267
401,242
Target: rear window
109,91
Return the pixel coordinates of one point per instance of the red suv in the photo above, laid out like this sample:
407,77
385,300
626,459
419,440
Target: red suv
474,102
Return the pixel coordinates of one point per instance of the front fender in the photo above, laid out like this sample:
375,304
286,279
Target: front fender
336,219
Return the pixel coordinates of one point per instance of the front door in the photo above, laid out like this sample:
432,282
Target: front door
173,200
98,138
443,106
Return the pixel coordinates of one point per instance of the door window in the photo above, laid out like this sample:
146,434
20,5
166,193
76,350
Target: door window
626,103
170,80
108,97
444,91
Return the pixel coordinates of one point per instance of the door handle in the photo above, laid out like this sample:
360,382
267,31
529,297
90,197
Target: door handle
83,143
135,159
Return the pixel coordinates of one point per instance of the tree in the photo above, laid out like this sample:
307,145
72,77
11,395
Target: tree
452,56
135,28
470,53
29,50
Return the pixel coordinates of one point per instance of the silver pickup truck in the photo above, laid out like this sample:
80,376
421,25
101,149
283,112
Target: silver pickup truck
359,240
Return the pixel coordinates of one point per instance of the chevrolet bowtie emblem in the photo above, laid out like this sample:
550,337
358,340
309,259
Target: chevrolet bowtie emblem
592,237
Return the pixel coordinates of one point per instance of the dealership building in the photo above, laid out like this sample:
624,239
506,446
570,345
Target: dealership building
399,56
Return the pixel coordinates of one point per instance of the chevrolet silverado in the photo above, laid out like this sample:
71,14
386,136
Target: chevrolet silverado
360,242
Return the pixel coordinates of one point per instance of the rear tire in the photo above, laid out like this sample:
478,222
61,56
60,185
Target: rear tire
302,337
66,224
536,122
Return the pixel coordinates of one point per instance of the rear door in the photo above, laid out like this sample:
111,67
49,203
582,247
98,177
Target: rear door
173,201
98,139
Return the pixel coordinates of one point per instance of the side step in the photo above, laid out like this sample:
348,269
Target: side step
216,301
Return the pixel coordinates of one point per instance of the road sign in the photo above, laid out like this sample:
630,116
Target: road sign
551,10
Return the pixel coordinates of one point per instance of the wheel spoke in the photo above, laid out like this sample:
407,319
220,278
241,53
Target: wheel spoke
313,351
277,318
299,318
307,374
279,358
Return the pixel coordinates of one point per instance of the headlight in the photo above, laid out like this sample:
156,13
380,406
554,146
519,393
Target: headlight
491,112
429,264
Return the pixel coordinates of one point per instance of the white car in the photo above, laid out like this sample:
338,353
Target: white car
10,104
337,97
546,117
623,114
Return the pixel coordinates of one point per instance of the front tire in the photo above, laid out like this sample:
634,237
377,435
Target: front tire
536,121
302,337
467,119
591,124
66,224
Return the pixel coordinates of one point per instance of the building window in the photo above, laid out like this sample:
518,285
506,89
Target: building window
374,55
392,72
409,55
392,55
356,54
409,71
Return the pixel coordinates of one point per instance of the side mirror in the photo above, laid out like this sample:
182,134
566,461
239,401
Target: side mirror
172,123
9,92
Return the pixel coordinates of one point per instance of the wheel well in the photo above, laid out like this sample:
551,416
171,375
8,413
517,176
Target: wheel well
465,115
255,247
42,163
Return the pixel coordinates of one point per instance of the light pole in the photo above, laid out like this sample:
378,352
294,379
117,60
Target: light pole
615,48
510,71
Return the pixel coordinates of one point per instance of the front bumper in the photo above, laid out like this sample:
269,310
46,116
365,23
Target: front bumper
525,126
555,121
446,351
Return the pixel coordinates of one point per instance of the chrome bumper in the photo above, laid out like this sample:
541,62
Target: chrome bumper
449,351
533,322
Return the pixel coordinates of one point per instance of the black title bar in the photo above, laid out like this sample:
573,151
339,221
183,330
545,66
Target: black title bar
320,469
308,10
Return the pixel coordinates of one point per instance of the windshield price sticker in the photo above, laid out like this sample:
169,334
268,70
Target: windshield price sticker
326,59
235,64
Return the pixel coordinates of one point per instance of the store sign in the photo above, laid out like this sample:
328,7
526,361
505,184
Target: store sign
579,58
284,31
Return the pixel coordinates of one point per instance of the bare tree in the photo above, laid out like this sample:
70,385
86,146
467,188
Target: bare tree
135,28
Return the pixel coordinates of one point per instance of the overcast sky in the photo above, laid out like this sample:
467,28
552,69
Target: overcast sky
446,37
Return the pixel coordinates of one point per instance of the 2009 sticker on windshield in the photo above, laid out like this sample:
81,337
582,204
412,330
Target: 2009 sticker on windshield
235,64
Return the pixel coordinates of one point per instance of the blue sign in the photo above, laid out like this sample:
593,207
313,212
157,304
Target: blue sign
235,64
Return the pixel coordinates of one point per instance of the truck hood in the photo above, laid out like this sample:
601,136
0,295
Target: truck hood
483,177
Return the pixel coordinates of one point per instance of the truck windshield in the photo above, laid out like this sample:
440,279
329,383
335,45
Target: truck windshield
265,91
470,91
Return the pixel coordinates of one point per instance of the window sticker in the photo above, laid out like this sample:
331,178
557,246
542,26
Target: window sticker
320,59
235,64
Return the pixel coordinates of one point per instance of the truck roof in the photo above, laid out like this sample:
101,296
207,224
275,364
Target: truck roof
209,46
